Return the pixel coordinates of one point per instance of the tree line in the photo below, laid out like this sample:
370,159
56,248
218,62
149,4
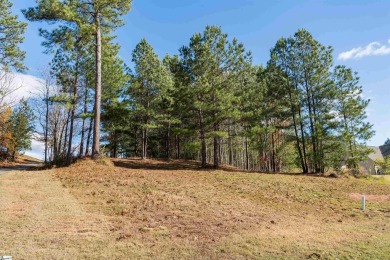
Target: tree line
207,102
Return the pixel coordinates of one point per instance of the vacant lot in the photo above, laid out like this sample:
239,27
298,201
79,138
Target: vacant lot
161,210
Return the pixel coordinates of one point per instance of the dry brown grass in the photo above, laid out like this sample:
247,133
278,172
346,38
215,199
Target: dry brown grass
173,210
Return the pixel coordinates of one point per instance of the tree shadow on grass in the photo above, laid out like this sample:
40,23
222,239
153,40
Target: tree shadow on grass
191,165
171,165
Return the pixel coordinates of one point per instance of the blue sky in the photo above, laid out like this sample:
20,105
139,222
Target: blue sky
359,32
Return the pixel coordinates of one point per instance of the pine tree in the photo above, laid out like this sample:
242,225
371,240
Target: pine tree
306,65
116,120
66,67
184,126
351,113
213,64
93,17
22,127
150,89
282,57
267,117
11,35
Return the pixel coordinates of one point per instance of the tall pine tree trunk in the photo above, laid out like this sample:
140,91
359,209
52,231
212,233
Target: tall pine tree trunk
204,149
82,139
273,160
167,144
89,135
202,139
55,139
66,134
313,133
73,111
144,143
246,154
114,151
136,151
69,151
306,169
177,140
230,152
230,146
293,112
319,147
216,147
85,110
98,90
46,121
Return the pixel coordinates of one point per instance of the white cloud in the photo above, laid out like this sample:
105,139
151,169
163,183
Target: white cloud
27,84
372,49
37,150
16,86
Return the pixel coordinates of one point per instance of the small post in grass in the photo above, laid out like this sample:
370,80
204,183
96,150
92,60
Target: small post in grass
363,202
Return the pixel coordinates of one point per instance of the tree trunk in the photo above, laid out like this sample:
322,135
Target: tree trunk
293,112
216,147
46,121
177,139
114,152
246,154
144,143
59,150
313,133
69,152
204,148
136,142
167,144
89,135
55,141
273,162
203,140
319,149
230,146
74,102
66,134
84,119
306,169
98,90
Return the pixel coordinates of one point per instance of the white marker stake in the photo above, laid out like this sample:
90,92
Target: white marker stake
363,202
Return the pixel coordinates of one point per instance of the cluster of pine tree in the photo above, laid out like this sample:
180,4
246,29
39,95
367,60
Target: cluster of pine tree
208,102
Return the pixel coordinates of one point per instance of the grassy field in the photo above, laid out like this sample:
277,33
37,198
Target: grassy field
158,210
385,178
